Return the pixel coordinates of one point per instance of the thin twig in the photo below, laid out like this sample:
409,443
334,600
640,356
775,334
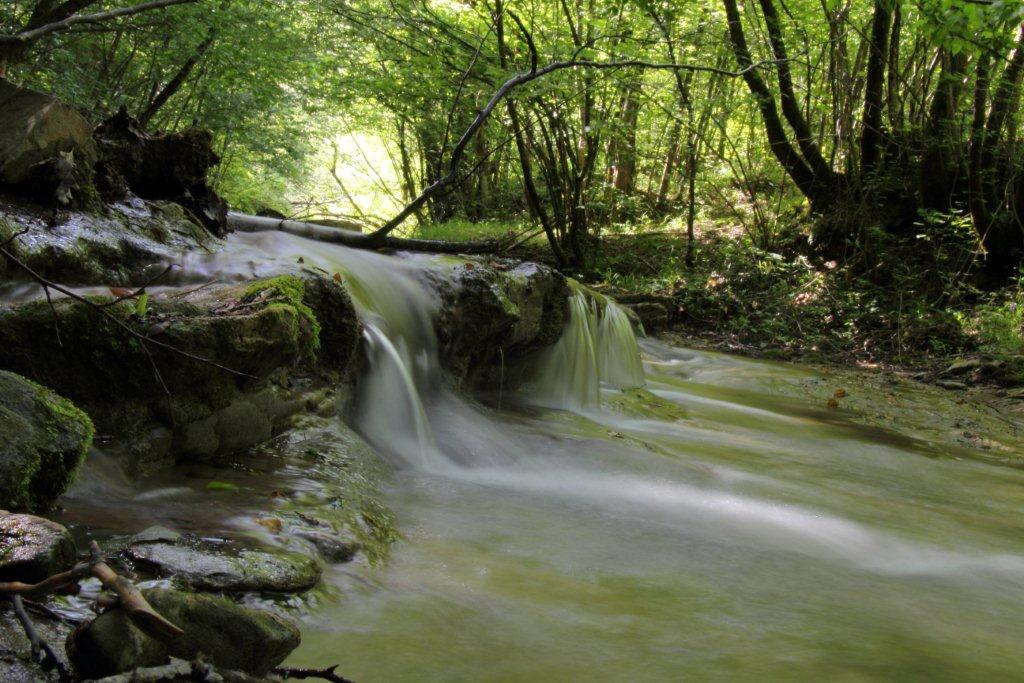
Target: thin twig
42,653
142,289
117,321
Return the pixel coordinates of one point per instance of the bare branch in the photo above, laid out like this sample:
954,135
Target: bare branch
28,36
99,308
377,237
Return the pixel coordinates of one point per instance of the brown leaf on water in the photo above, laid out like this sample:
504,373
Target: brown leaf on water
271,524
832,403
840,393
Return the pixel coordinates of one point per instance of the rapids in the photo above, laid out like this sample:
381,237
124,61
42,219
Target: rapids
647,513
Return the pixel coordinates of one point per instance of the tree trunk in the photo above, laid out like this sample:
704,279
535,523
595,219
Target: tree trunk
173,85
794,165
871,123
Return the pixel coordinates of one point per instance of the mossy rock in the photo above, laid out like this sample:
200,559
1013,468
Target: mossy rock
43,440
263,336
496,312
228,635
214,570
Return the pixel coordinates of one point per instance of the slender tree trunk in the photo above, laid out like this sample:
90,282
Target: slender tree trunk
871,124
175,83
794,165
790,105
670,162
525,165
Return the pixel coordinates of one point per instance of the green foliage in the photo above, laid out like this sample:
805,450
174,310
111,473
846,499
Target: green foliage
999,322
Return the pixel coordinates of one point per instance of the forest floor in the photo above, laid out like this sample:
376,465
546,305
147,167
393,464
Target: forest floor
918,311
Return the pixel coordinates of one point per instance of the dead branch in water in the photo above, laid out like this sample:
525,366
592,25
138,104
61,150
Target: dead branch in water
41,651
325,674
138,609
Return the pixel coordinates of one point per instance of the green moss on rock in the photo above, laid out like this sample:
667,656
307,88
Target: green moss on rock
288,291
229,635
44,438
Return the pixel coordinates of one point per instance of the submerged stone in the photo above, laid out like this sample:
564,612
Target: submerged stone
43,440
227,634
33,548
332,546
249,570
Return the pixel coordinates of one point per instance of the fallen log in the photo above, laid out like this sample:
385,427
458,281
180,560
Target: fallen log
246,223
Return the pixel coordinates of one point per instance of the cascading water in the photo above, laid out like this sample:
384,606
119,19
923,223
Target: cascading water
598,346
710,529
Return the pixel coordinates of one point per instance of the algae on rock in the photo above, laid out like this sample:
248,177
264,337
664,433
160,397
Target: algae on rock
43,440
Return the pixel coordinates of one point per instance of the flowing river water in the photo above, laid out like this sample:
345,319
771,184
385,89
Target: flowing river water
642,512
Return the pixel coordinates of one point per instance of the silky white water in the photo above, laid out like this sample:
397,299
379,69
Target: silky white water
687,517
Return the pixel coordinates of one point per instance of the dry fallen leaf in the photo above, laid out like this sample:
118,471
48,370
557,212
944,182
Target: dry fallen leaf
337,277
832,403
121,292
271,524
840,393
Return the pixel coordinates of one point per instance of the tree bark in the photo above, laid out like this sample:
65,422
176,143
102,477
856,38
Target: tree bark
790,105
871,123
794,165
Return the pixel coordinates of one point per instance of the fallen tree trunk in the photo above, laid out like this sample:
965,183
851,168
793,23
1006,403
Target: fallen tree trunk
356,240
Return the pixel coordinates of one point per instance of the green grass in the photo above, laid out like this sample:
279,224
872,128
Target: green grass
461,230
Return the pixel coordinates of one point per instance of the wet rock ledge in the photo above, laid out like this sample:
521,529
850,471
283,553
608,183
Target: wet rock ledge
251,380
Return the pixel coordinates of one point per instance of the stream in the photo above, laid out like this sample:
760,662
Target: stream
643,512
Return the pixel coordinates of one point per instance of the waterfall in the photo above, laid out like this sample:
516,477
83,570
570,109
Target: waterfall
403,391
598,346
390,408
618,353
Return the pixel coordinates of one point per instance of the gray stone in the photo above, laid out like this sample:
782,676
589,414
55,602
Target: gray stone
652,315
155,534
332,546
227,634
38,127
33,548
493,312
43,440
249,570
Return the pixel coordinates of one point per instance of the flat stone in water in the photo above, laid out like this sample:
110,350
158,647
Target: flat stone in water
155,534
32,548
249,570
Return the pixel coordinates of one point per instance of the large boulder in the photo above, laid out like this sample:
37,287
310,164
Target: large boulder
33,548
494,311
230,636
38,128
43,440
126,243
